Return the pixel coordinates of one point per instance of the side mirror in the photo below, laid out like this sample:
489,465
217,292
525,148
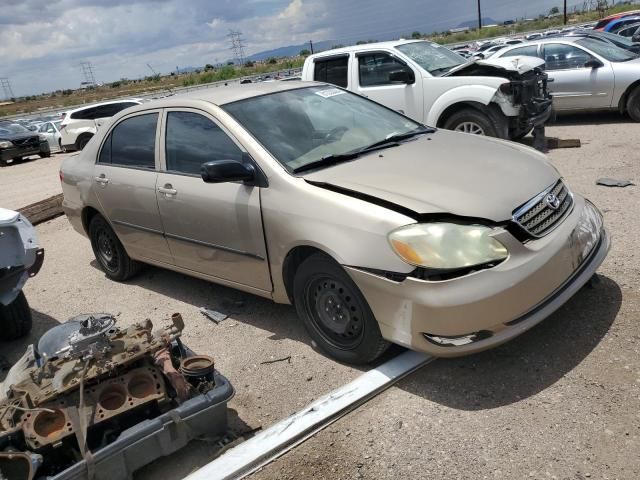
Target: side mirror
593,63
402,76
221,171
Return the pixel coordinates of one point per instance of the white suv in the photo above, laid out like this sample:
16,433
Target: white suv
81,124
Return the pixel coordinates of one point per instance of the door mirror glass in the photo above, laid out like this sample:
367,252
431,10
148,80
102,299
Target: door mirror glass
593,63
220,171
402,76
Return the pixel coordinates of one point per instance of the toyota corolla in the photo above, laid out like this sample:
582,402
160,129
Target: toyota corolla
376,228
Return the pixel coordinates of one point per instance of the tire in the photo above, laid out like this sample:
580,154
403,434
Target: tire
633,105
15,319
320,286
3,162
45,154
471,120
109,252
82,141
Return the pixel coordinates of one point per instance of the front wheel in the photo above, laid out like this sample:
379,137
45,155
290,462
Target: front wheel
476,122
633,105
15,318
335,313
109,252
44,154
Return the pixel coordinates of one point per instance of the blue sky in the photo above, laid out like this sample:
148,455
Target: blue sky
42,42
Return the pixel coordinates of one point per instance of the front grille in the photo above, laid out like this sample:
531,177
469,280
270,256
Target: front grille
26,141
544,212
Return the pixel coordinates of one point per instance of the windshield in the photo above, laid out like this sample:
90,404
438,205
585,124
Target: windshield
615,38
434,58
13,128
305,125
606,50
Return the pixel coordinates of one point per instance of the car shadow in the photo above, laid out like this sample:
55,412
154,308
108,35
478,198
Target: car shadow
10,352
246,308
527,364
589,118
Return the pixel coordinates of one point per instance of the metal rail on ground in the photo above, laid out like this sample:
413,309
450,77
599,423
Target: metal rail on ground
273,442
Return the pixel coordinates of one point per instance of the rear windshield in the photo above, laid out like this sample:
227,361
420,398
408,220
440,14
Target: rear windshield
13,128
606,50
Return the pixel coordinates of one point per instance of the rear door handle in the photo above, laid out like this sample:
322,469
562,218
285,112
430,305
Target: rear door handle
168,190
102,180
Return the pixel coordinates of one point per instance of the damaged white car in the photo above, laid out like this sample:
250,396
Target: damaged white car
433,85
20,258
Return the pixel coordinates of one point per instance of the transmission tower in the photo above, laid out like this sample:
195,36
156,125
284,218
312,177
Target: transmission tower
87,71
6,86
237,46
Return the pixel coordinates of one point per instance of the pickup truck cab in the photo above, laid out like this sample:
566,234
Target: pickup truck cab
436,86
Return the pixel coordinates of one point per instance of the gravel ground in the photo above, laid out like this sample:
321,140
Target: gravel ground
561,401
30,181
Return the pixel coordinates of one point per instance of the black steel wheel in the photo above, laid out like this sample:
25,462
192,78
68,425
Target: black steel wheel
109,252
15,318
335,313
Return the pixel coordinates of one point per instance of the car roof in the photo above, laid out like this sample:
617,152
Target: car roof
365,47
223,94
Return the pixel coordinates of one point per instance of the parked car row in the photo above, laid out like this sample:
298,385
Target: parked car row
17,142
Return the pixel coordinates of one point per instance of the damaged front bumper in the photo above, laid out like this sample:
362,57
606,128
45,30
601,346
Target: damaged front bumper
532,94
487,308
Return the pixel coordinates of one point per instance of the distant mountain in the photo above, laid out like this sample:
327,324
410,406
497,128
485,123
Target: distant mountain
291,50
474,23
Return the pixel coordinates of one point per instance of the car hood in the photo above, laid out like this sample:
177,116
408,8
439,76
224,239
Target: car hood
445,172
17,136
518,64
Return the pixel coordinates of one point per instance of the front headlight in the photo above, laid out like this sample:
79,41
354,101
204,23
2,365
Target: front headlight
5,144
446,246
42,137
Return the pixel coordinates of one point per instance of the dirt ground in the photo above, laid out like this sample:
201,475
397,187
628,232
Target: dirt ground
562,401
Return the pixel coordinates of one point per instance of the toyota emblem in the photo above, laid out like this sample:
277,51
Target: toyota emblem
552,201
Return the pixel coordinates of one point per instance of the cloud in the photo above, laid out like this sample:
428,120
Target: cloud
42,42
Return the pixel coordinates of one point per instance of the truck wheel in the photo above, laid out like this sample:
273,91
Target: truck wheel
15,319
470,120
109,252
82,140
335,313
633,105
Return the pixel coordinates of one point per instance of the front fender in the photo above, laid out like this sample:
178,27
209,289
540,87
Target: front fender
482,94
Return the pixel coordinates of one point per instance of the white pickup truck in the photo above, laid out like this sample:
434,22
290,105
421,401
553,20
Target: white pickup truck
504,98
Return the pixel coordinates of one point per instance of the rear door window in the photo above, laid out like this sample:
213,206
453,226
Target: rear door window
132,143
528,51
193,139
332,70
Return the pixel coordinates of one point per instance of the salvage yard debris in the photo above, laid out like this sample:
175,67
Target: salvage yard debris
213,315
612,182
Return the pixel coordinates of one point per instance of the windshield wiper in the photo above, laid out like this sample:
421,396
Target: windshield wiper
388,142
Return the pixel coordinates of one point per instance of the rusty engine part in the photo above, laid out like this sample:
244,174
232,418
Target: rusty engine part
86,382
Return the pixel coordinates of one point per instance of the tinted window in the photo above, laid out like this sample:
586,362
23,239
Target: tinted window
375,68
528,51
564,57
193,139
333,70
101,111
132,142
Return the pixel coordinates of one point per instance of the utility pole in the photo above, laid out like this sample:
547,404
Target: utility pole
6,86
565,12
311,46
237,46
479,17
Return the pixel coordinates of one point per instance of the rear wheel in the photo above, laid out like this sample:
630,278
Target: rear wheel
109,252
633,105
335,313
476,122
15,318
82,140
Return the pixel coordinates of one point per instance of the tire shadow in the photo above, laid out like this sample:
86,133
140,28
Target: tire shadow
528,364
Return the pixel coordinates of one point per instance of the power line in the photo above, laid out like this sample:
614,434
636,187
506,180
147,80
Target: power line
87,71
6,86
237,46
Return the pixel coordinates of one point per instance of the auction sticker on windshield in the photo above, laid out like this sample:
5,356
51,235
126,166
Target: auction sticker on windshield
329,92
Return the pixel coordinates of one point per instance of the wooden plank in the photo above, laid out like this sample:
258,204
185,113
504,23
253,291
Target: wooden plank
43,210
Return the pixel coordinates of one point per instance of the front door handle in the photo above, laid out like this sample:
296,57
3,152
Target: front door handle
102,180
168,190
